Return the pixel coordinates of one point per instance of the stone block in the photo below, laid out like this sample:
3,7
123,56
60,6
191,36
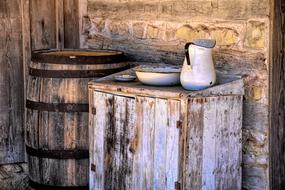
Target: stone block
188,33
254,93
118,28
257,93
255,34
152,31
138,30
225,36
99,24
169,34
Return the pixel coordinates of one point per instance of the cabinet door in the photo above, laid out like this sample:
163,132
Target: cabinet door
156,160
134,142
213,143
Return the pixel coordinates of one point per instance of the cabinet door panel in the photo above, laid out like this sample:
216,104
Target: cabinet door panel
111,134
213,143
134,142
157,151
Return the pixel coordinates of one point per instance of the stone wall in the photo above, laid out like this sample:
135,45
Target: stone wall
156,31
14,177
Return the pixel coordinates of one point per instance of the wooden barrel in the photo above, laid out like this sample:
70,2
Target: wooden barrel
57,114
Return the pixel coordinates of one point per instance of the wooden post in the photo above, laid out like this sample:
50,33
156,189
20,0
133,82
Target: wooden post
11,82
277,96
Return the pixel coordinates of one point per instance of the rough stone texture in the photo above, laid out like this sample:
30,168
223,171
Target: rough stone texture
225,36
158,30
152,32
138,30
119,29
188,33
255,34
14,177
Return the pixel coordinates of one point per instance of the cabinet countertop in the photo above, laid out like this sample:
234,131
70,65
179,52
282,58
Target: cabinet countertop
226,85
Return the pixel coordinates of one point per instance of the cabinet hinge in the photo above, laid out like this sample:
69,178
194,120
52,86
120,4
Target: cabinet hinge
177,185
93,167
93,111
179,124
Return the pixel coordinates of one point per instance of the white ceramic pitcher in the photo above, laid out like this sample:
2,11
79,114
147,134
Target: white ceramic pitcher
198,71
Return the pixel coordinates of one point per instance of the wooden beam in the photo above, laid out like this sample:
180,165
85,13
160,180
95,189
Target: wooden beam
277,96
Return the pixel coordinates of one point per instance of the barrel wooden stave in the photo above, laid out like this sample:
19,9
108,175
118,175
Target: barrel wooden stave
48,130
58,172
58,131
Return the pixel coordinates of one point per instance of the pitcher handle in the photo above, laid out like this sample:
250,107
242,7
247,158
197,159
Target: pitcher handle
187,53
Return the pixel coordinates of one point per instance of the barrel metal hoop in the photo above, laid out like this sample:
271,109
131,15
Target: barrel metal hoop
40,186
57,154
74,73
39,56
57,107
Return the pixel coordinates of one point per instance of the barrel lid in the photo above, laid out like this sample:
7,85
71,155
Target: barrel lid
78,56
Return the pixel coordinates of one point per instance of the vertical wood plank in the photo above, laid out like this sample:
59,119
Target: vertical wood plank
83,13
160,144
59,24
123,133
212,122
26,49
71,24
43,24
221,166
235,160
172,144
143,159
277,96
118,133
214,160
11,82
192,177
129,151
166,144
91,129
101,123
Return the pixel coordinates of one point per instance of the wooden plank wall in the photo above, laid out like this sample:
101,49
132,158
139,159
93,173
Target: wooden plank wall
11,82
27,25
56,23
277,97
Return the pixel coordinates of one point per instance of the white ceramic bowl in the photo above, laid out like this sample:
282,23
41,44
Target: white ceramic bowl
158,75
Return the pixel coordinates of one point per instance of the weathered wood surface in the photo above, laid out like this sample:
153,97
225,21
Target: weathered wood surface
277,98
207,154
71,23
213,143
56,130
43,24
134,142
227,85
57,23
11,83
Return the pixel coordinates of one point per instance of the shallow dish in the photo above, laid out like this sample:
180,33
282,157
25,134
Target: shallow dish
125,78
158,75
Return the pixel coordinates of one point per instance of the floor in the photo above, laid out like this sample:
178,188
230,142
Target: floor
14,177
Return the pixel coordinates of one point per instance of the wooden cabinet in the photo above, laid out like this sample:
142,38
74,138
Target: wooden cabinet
144,137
